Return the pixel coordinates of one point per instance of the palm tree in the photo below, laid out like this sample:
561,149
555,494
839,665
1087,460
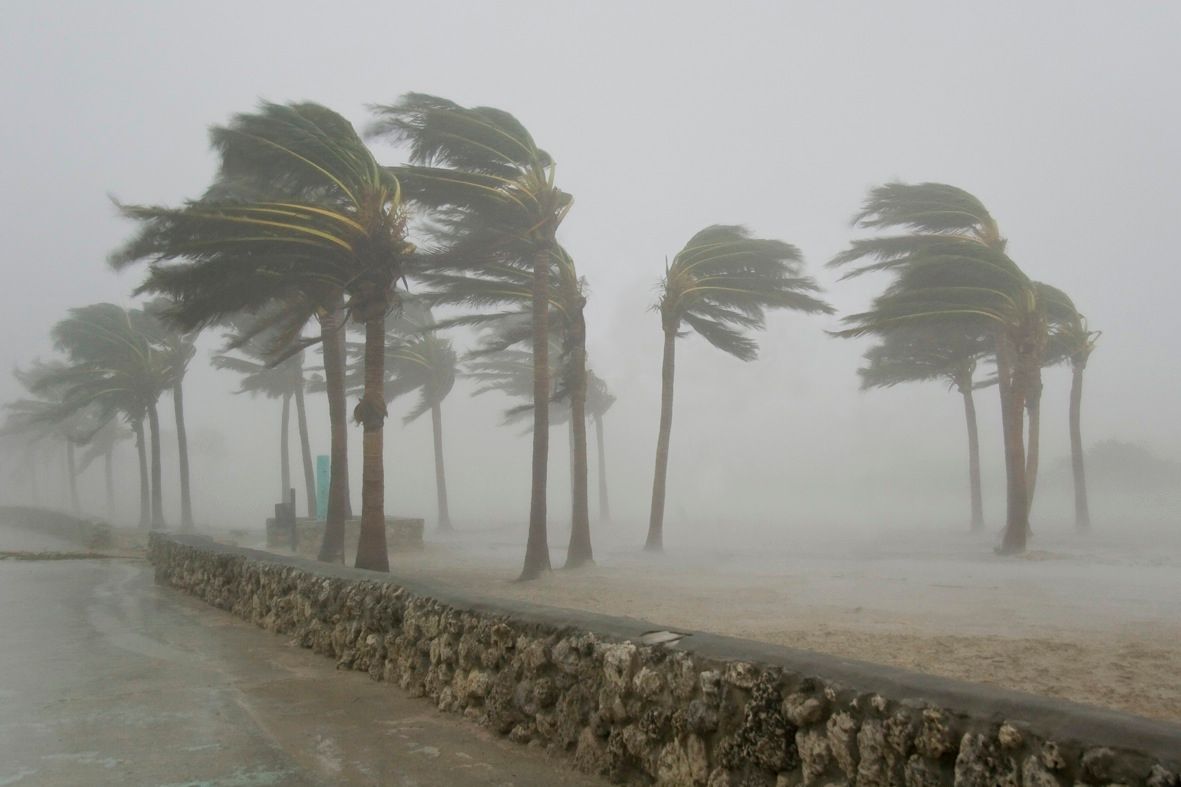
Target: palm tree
285,381
332,224
47,417
103,444
1072,340
419,360
113,367
482,165
922,354
178,348
598,401
416,359
951,268
720,285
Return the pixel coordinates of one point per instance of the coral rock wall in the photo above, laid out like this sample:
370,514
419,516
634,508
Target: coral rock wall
587,687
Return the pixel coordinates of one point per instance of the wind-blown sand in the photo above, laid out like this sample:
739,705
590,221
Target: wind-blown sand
1089,620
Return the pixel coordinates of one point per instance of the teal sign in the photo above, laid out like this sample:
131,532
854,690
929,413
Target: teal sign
323,476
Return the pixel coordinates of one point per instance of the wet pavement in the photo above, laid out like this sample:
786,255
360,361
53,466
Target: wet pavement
106,678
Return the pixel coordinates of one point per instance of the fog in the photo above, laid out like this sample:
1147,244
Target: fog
814,504
663,118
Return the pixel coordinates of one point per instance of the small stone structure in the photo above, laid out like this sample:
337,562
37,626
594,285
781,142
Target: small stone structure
641,705
402,534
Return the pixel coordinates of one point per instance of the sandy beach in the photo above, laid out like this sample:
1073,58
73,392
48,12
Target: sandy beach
1090,620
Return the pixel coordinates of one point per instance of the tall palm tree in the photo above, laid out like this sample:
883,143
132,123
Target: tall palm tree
482,164
720,285
178,348
951,267
284,381
418,360
421,361
1071,340
332,224
925,353
599,400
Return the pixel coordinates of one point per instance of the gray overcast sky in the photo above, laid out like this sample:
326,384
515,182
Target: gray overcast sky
664,117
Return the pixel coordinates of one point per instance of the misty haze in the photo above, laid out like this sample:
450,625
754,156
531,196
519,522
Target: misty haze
842,332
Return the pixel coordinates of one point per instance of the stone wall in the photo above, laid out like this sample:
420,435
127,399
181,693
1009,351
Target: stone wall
638,705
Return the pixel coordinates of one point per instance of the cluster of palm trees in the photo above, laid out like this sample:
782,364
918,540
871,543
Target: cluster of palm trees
115,365
957,297
303,226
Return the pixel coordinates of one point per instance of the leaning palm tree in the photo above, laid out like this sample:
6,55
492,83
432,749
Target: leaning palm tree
284,381
178,348
1072,340
720,286
331,224
598,401
1054,308
927,353
46,417
114,368
951,268
103,445
482,166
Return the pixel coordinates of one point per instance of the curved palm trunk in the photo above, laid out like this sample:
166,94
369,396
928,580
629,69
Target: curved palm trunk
157,491
109,473
284,450
973,457
1033,408
145,505
440,471
1012,376
604,504
371,411
537,546
579,551
72,475
332,548
182,444
655,542
305,449
1082,512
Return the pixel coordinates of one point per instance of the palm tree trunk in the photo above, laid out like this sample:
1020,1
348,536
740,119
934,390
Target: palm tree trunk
973,457
579,551
440,471
332,548
182,444
284,449
604,504
655,541
305,449
1033,407
72,475
1012,375
145,506
537,546
109,473
342,347
157,491
1082,512
370,412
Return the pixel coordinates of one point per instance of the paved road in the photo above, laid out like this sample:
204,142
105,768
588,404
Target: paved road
106,678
